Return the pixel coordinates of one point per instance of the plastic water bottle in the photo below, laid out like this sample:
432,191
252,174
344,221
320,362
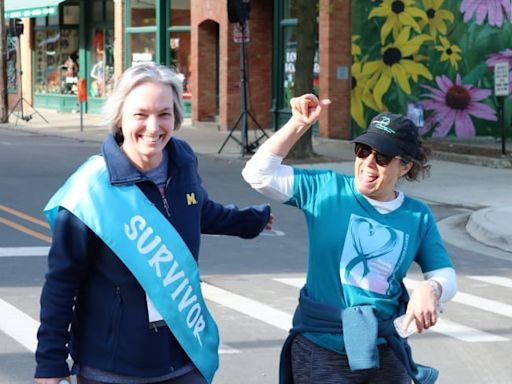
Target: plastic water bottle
411,329
399,326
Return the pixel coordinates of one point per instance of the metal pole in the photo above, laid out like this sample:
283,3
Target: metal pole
81,116
501,108
243,90
4,105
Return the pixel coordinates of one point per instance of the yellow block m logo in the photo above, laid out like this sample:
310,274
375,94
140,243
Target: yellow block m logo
191,198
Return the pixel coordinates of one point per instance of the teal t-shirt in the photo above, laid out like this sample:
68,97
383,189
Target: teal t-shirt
356,255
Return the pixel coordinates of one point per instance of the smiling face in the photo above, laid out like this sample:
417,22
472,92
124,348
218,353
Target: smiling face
378,182
147,123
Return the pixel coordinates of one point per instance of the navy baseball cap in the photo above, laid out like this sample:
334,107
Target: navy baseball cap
391,134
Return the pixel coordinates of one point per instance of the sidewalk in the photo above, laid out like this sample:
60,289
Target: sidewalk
485,189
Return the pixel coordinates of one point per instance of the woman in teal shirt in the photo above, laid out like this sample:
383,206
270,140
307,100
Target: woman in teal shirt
363,235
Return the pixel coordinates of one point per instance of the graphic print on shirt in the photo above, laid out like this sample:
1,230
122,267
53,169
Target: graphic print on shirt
370,254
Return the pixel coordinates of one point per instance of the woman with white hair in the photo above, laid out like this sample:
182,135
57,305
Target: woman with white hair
122,295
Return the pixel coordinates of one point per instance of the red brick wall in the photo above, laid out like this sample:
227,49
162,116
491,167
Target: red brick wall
259,59
335,37
204,89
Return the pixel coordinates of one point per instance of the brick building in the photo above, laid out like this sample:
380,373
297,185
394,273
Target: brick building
94,40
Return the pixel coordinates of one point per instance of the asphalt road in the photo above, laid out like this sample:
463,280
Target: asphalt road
251,286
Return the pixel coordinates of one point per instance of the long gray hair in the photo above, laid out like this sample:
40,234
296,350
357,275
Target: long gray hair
133,77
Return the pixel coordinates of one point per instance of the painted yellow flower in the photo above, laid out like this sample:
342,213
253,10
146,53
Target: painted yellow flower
397,64
436,17
449,52
360,95
398,14
356,49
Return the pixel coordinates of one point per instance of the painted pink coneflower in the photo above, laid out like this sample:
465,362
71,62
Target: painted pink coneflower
495,11
503,56
453,104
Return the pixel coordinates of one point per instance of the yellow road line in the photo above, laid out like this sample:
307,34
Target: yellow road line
24,216
26,230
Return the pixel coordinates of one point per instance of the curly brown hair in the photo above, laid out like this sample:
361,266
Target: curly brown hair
420,168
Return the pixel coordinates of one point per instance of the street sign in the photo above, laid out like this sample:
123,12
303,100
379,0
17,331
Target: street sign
501,79
241,32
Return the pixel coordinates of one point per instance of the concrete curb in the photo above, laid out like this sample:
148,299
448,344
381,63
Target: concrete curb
491,162
489,226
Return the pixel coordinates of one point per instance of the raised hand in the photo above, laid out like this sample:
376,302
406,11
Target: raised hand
306,109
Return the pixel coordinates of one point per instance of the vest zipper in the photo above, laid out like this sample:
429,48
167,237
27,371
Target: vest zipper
166,206
164,198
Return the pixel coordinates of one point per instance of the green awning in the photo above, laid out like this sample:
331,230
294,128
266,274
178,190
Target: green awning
31,8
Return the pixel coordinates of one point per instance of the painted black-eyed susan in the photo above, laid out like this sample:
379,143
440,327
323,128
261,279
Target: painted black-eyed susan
397,64
437,17
398,14
449,52
361,94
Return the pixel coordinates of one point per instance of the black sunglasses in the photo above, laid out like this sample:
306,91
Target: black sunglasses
363,151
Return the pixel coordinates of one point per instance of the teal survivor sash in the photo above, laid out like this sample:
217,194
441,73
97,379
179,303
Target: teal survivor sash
124,218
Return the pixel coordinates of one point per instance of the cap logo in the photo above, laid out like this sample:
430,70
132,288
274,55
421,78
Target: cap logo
383,124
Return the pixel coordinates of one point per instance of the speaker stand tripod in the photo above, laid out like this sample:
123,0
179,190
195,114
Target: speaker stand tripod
246,147
19,104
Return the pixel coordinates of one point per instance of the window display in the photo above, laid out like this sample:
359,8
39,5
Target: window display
102,63
142,47
142,13
289,59
56,58
180,60
180,45
12,74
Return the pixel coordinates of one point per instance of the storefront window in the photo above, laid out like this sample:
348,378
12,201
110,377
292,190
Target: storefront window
71,14
142,47
179,44
97,10
102,63
47,21
56,61
288,10
11,60
289,59
180,59
142,13
109,11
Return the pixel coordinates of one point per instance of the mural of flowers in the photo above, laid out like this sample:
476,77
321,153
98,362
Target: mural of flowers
398,14
436,17
436,53
505,55
449,51
396,64
494,10
360,94
356,49
453,104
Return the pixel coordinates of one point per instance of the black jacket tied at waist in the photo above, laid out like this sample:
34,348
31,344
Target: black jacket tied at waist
360,336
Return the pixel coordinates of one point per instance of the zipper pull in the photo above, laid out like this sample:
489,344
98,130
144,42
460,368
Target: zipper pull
166,206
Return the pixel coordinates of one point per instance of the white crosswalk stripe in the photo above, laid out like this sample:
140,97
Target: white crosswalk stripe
18,325
23,251
493,280
257,310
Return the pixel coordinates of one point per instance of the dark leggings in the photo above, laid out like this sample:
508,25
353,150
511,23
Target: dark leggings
312,364
193,377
